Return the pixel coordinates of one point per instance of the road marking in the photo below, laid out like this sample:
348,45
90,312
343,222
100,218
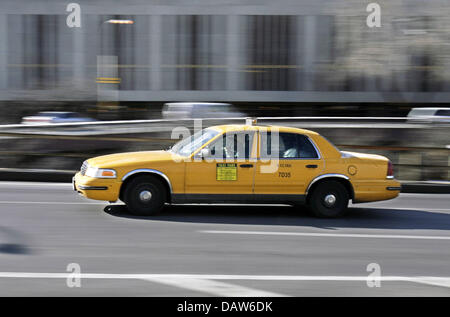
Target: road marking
401,208
52,202
334,235
35,184
423,209
205,282
199,283
435,281
212,287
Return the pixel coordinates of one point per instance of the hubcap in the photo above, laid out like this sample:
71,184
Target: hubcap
145,196
329,200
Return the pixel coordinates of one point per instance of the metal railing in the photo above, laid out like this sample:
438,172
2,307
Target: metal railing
164,125
412,158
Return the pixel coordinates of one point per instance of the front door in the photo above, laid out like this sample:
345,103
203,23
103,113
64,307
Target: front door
227,170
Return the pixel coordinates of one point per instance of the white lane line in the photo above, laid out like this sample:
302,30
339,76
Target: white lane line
334,235
35,184
205,282
212,287
52,202
199,283
401,208
435,281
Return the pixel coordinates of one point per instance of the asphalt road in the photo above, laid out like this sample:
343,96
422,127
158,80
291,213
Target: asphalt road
219,250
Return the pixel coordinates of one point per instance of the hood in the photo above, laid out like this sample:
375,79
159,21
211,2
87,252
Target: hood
129,158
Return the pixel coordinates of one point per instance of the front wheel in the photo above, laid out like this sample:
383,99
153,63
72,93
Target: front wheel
329,199
145,196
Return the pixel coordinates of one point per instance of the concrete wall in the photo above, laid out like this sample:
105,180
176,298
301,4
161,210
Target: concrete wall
282,51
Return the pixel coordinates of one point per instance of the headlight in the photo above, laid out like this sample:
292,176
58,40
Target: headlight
96,172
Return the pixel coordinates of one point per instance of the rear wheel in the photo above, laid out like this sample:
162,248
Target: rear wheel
328,200
145,196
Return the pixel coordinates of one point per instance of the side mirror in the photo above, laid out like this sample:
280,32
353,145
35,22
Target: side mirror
203,153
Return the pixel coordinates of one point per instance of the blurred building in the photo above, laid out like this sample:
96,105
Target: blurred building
216,50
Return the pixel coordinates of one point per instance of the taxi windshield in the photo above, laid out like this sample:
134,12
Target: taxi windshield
189,145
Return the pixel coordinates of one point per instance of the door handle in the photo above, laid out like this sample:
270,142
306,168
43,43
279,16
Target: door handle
246,165
311,166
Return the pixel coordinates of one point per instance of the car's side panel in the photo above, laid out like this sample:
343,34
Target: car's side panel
172,172
367,174
324,177
238,198
149,171
375,190
202,177
287,177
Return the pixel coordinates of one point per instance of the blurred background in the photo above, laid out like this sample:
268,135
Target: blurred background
317,61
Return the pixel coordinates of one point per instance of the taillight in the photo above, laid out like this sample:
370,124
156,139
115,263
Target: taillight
390,170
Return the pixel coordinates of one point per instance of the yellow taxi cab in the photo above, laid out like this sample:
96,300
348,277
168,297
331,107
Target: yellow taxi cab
241,164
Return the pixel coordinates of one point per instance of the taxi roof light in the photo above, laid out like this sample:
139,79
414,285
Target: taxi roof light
251,121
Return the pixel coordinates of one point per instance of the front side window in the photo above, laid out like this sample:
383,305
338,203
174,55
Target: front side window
189,145
232,146
287,146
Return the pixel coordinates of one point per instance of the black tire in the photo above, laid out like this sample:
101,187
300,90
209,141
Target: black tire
145,196
321,201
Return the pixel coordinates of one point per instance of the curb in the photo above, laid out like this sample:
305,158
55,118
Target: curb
65,176
425,187
36,175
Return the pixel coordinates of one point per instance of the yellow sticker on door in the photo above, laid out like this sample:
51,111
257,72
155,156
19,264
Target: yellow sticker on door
226,171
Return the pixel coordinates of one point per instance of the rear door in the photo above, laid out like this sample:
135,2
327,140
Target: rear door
287,163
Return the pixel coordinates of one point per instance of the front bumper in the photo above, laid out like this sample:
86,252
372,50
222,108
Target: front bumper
96,188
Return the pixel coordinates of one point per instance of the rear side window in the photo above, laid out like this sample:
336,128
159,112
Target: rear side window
179,108
443,113
287,146
420,112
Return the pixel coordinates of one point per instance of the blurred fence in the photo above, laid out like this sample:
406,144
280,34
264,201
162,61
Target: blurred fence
419,150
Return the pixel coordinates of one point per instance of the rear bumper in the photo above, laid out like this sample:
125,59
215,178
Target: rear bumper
376,190
95,188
